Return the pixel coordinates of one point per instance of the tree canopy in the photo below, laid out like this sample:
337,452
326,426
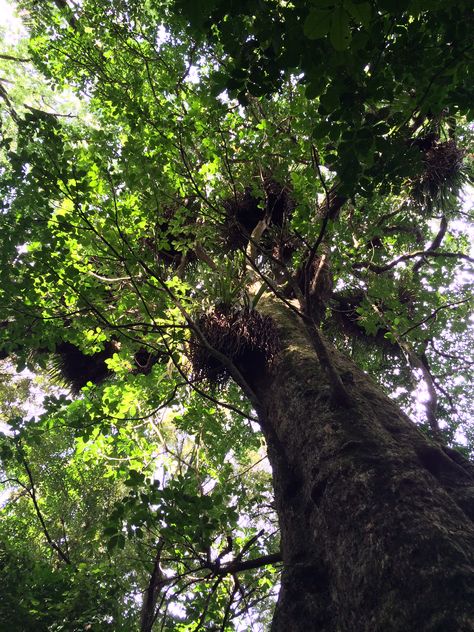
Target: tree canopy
165,166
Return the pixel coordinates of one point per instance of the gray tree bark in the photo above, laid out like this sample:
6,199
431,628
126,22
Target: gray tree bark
376,520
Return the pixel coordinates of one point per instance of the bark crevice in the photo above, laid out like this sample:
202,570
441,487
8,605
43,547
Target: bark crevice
374,517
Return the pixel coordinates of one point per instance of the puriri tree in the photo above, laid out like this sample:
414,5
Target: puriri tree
247,231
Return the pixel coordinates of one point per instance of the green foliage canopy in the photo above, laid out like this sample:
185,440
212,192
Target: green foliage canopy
115,229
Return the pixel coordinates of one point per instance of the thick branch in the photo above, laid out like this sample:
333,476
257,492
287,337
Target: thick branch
65,8
436,243
413,255
13,58
6,98
238,567
156,583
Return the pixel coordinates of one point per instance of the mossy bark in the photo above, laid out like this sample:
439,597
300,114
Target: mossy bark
376,521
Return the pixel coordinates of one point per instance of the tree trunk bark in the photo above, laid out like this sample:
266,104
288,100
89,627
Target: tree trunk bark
376,520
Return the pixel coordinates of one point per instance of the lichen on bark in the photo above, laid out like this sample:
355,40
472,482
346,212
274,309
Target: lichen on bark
374,517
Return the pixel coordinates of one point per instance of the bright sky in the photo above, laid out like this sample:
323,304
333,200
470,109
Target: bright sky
10,24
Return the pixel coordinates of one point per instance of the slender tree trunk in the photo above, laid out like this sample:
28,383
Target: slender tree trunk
376,521
150,598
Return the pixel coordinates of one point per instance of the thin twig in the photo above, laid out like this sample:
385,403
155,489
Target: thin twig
433,315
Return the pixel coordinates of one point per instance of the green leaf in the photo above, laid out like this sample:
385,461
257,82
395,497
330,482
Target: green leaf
117,541
361,12
135,479
330,99
311,91
340,33
317,23
321,129
197,12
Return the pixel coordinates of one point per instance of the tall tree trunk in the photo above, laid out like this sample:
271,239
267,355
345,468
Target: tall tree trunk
376,521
